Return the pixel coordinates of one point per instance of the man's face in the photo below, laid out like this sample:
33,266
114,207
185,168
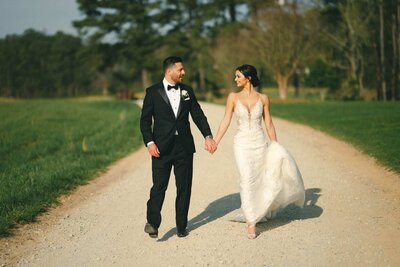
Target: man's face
176,72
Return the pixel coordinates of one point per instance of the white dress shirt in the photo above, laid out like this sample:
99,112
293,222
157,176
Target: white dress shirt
174,96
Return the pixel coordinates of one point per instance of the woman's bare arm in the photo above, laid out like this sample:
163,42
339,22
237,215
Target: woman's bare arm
269,125
226,121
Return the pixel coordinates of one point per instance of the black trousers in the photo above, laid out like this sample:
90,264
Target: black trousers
182,162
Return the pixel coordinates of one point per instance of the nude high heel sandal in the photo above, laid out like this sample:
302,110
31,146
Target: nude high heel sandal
251,234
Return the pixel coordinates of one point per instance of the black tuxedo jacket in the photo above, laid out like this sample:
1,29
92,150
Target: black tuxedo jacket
156,106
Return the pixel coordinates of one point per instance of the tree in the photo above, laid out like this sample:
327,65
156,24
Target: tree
229,51
146,31
192,28
133,25
395,93
361,38
345,35
283,37
37,65
382,49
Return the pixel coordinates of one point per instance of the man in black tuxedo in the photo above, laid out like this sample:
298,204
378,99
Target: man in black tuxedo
165,127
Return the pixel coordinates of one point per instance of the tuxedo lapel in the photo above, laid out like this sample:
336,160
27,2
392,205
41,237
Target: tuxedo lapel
161,91
163,94
180,105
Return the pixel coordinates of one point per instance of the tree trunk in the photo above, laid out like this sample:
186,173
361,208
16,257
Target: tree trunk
254,5
296,82
202,73
361,76
145,78
202,79
398,49
352,72
378,70
282,83
382,49
232,11
395,67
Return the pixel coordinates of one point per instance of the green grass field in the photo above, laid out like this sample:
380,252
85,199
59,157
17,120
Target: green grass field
372,127
48,147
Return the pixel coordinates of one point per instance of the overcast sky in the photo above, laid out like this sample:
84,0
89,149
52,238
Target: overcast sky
47,16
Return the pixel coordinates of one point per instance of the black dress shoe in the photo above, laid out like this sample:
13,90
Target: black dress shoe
182,233
152,231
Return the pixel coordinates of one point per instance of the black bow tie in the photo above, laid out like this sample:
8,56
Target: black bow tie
169,87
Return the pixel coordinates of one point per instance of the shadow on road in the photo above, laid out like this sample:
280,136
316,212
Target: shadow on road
214,210
292,212
226,204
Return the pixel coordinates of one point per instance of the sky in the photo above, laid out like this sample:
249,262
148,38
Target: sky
47,16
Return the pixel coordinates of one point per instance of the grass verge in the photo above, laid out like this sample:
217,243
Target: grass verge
48,147
372,127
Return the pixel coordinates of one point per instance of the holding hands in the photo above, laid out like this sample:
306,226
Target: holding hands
210,145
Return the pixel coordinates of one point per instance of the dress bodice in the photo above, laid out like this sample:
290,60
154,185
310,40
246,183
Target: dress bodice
249,121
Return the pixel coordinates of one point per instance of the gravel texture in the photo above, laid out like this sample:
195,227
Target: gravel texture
351,216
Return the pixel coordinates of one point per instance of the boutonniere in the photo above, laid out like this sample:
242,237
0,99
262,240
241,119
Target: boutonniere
185,95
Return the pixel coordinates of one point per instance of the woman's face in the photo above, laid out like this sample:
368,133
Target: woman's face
240,79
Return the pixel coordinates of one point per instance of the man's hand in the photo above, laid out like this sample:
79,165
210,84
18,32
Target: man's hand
210,145
153,150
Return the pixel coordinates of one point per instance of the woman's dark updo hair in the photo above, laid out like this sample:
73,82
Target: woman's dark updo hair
249,71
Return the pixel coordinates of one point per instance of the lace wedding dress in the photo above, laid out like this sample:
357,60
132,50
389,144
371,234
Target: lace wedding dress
269,177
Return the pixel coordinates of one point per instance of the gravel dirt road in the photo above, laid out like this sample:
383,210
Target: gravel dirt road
351,216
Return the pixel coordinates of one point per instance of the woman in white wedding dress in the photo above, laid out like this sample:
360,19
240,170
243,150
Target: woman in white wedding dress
269,177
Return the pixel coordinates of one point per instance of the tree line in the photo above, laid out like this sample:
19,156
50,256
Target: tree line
37,65
350,47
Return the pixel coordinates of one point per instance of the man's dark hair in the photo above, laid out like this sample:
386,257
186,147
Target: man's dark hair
170,61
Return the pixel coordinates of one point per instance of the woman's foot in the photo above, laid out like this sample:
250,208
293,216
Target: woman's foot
251,231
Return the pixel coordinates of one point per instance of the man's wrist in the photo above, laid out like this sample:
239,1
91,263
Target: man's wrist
209,137
150,143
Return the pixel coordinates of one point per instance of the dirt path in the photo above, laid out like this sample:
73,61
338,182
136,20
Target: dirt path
351,218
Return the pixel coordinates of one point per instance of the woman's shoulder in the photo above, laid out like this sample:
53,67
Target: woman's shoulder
232,96
264,98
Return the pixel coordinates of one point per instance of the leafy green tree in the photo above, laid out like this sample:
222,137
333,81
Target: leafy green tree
133,25
146,31
38,65
346,37
362,39
192,27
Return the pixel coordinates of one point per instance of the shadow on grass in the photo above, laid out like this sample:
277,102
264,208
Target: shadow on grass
229,203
